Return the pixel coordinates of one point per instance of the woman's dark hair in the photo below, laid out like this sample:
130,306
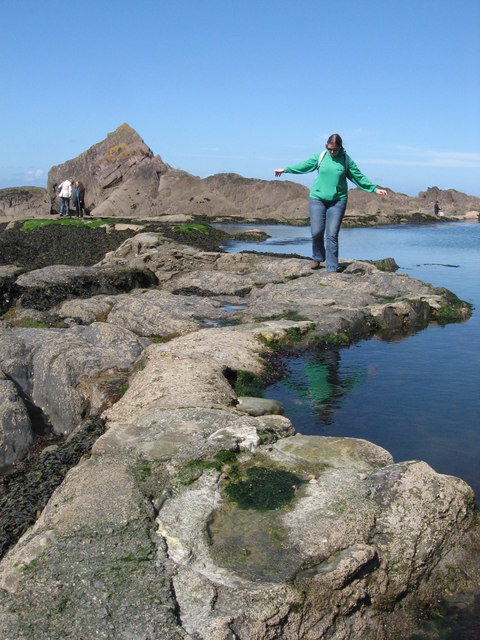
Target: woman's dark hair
335,139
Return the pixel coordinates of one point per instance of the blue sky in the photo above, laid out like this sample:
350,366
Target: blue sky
246,86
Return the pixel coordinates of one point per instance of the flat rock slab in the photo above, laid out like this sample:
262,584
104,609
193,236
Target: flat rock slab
146,312
361,291
160,313
189,372
259,406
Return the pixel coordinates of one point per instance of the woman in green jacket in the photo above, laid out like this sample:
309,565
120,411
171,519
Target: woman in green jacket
328,197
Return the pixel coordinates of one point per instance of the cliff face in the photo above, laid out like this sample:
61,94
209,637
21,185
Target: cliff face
123,178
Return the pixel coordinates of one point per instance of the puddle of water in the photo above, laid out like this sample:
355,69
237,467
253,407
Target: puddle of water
232,308
252,544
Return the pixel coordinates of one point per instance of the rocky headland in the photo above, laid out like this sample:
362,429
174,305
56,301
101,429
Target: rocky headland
124,178
183,506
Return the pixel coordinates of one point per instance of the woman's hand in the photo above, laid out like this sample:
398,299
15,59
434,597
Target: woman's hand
278,172
381,192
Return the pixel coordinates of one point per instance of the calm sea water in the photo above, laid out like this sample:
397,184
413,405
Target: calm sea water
417,397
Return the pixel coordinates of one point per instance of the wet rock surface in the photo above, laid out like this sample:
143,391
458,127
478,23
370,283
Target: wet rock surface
15,427
28,486
197,499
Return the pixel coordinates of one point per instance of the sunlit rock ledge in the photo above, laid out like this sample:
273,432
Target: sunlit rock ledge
193,518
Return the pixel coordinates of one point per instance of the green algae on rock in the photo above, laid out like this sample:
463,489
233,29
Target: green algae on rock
264,488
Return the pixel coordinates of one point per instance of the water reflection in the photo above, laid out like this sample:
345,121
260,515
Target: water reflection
316,383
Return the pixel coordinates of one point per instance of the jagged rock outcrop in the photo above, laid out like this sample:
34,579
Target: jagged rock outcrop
122,164
124,178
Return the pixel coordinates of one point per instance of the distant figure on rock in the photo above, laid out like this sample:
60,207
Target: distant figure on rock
79,199
328,197
65,193
436,208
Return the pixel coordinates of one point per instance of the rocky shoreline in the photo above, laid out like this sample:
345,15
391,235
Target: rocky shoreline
199,513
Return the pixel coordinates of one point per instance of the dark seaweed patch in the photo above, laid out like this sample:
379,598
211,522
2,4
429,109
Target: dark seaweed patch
264,489
26,489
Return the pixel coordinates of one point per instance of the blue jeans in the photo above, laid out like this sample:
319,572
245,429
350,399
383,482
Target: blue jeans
325,220
79,208
65,203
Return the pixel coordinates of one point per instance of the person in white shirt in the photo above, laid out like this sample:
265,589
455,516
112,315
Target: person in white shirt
65,193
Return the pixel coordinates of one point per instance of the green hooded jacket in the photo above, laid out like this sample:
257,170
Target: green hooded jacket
331,182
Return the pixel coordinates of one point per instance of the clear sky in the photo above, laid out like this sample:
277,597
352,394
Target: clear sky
246,86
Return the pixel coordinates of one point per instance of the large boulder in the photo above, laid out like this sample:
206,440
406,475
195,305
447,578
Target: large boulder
70,373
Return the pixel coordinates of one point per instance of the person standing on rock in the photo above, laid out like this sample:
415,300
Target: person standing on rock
65,193
79,199
436,208
328,197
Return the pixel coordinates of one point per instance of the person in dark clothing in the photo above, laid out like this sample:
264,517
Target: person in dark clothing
436,208
79,199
